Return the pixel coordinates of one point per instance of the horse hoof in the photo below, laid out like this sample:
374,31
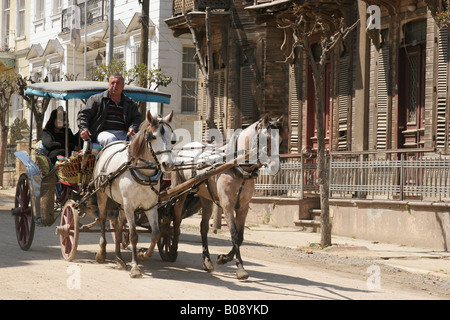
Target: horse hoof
242,275
135,273
173,256
100,257
208,266
221,259
121,265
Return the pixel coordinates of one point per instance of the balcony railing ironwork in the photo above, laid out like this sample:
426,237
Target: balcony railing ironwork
181,6
96,11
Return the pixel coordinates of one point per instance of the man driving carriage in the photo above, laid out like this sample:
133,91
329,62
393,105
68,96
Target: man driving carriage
109,116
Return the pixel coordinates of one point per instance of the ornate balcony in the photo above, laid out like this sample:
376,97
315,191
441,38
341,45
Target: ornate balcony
97,11
182,6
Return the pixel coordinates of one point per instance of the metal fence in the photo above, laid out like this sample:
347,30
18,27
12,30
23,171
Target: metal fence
390,175
10,161
393,175
296,178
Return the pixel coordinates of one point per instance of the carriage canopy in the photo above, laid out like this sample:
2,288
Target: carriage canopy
67,90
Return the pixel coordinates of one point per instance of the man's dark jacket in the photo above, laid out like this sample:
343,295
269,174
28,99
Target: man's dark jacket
93,115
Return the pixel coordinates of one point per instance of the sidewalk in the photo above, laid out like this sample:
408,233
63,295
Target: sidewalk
417,260
411,259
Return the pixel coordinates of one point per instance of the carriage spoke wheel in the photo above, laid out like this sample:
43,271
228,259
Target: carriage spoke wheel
165,243
125,240
68,231
23,213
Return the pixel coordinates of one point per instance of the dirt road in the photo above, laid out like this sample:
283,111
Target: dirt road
275,273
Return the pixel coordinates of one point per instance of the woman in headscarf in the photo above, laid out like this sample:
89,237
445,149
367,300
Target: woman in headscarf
53,136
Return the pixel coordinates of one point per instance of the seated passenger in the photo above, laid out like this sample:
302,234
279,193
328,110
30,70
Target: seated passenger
54,136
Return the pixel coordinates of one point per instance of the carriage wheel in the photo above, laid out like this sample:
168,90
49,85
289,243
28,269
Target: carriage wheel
165,243
23,213
125,241
68,231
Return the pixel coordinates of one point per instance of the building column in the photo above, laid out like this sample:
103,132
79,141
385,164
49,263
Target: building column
360,128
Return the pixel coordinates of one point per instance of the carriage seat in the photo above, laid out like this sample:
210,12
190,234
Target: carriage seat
42,161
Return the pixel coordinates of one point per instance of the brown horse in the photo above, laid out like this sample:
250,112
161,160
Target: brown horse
233,189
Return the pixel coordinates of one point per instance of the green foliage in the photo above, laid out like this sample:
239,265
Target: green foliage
15,130
138,75
103,71
443,17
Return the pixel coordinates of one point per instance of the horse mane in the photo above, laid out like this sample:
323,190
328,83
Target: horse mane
138,144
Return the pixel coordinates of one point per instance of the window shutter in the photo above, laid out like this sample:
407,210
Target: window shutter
343,102
220,100
383,97
202,104
442,69
247,95
294,103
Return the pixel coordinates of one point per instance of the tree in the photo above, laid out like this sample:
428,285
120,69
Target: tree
143,50
443,18
302,27
8,86
207,70
140,75
40,104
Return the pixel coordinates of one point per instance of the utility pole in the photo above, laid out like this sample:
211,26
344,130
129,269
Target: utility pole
143,50
111,32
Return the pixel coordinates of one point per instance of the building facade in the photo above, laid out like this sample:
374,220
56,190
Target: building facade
385,94
44,50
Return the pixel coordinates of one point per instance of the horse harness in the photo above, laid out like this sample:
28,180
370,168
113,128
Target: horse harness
102,181
250,171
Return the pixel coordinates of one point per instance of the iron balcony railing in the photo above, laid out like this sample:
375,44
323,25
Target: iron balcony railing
96,11
181,6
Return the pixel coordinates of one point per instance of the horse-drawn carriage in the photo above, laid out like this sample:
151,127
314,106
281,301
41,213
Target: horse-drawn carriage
43,190
123,183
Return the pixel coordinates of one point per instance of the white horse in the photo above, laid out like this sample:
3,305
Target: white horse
134,170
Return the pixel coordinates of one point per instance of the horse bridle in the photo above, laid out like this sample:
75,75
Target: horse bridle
258,129
149,136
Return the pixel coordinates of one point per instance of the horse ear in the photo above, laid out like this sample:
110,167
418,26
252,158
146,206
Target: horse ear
265,119
149,116
169,117
280,119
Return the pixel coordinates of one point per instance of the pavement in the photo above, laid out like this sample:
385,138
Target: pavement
424,261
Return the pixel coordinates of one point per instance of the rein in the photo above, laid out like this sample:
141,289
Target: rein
102,181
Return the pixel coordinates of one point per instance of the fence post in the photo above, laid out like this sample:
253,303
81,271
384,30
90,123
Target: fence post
302,172
402,168
330,160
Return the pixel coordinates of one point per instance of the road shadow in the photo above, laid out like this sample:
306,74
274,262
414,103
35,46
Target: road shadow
188,268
